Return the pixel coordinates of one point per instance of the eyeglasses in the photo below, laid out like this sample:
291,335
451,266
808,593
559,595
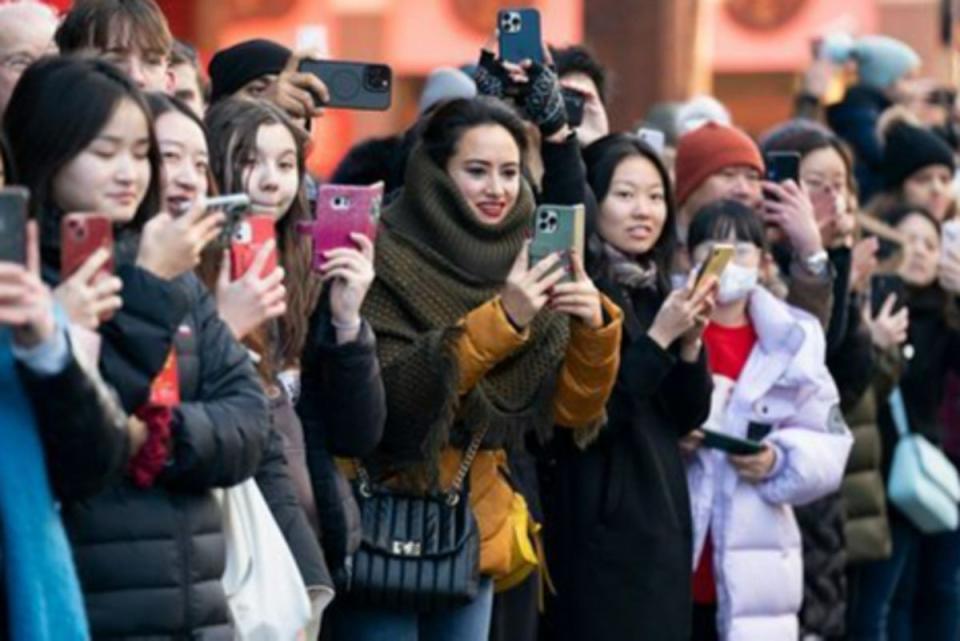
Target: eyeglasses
742,250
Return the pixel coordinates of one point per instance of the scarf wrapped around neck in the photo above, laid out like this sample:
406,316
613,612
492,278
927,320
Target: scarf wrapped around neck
622,269
435,263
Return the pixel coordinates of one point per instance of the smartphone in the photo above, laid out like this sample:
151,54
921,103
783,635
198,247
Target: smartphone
731,444
783,166
716,263
353,85
519,35
80,236
881,287
13,225
343,210
235,208
574,102
654,138
558,229
249,236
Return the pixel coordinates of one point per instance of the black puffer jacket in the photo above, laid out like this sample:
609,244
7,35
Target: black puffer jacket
343,410
150,560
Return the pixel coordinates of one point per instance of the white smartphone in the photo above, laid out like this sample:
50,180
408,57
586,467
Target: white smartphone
950,237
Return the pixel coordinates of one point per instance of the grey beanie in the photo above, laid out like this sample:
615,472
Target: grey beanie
446,83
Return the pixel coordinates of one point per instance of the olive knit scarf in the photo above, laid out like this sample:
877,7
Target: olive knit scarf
435,263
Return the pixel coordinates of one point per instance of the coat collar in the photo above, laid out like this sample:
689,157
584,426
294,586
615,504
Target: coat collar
779,337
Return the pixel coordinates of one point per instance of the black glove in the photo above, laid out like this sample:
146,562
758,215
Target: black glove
543,100
491,78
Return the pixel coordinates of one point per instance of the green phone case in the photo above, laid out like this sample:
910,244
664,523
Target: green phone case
730,444
557,228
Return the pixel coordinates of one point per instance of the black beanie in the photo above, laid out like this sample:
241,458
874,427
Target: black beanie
910,149
232,68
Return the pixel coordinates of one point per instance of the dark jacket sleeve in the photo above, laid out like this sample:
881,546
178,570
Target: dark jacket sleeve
837,331
564,176
138,338
219,435
341,390
273,479
851,362
685,394
813,294
84,438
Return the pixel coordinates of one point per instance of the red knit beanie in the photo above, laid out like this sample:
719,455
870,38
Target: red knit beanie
708,150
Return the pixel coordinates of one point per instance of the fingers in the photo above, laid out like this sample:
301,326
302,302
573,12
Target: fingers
548,282
33,248
522,260
261,257
313,85
542,267
364,244
107,307
579,272
887,308
92,265
107,286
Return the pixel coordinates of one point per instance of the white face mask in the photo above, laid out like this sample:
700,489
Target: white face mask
736,283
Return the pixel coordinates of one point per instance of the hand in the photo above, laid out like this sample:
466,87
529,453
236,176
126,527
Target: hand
755,467
683,310
137,433
26,304
949,270
527,290
835,225
542,100
790,209
595,123
863,262
351,274
579,298
887,329
691,340
816,80
490,75
297,92
253,299
89,296
171,246
690,443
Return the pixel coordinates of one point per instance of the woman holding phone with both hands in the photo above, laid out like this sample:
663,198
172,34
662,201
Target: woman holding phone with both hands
149,547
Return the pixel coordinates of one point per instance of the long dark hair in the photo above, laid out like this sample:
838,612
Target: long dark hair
59,106
442,131
232,126
6,157
602,159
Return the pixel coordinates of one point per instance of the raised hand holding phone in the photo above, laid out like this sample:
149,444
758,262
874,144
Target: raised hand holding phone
170,247
299,93
578,298
350,272
26,304
527,289
684,313
91,295
888,328
247,302
789,208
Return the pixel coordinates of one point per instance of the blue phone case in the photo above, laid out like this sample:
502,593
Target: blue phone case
520,37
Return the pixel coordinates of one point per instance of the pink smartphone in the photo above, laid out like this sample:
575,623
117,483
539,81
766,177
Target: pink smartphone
343,210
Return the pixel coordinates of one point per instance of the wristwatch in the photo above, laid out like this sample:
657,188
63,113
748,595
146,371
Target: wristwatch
816,263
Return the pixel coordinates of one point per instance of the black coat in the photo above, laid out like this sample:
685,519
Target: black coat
150,561
343,409
854,119
617,515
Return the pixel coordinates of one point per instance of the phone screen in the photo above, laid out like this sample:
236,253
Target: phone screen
881,287
13,225
574,101
783,166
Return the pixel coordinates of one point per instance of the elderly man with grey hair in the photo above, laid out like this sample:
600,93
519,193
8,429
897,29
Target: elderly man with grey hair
26,33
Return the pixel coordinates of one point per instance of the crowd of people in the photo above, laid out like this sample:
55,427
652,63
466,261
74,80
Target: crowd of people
545,432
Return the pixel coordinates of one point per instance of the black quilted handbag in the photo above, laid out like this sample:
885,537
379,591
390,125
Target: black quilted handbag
419,552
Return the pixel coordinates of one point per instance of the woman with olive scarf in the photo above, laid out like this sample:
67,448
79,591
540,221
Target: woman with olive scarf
466,340
619,536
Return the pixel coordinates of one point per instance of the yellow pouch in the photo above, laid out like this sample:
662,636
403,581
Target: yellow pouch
524,558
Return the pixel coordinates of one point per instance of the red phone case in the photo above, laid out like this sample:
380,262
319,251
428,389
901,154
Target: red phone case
341,211
252,233
80,236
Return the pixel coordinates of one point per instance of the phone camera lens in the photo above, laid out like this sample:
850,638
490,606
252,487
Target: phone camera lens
377,78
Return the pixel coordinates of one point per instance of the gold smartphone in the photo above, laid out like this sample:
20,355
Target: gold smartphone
720,257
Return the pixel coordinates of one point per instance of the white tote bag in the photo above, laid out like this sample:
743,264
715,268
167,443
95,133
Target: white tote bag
267,597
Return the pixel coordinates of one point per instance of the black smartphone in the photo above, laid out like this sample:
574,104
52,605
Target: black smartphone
881,287
731,444
574,102
783,166
13,225
353,85
519,35
235,208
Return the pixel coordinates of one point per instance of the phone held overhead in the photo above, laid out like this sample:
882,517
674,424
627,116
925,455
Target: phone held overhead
353,85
